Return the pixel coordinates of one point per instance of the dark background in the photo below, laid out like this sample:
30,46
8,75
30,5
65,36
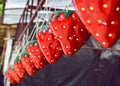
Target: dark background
88,67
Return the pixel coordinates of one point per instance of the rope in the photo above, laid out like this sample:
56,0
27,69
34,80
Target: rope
40,3
31,36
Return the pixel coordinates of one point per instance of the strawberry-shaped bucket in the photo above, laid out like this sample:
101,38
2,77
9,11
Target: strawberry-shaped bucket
19,68
28,63
101,18
49,45
36,54
69,30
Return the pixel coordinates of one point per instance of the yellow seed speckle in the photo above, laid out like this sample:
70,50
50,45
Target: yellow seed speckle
112,22
61,16
37,50
64,26
82,8
75,50
73,16
74,27
82,30
55,55
77,39
70,38
91,8
67,47
43,46
36,44
60,37
117,9
105,5
110,34
69,52
44,31
51,60
104,43
57,48
48,38
99,21
38,56
47,53
55,28
88,21
51,45
104,23
97,34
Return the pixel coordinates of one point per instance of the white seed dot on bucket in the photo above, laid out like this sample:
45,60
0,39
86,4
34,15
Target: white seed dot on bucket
67,46
105,5
112,22
99,21
110,34
64,26
82,9
91,8
88,21
117,9
74,27
104,43
97,34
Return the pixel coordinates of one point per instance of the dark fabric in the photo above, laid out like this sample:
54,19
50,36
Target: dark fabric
85,68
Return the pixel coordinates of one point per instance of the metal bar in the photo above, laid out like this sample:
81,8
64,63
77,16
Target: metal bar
24,11
13,8
34,7
31,9
26,15
32,18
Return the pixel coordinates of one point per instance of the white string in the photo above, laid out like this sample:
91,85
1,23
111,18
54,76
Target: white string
55,5
47,8
45,17
31,36
34,32
37,23
26,38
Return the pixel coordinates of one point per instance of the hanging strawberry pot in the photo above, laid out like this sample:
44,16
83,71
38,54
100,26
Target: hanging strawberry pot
69,30
19,68
12,76
101,18
36,54
49,45
28,63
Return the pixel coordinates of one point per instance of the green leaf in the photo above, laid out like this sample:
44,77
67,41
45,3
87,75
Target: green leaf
24,53
31,42
17,60
67,13
44,27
